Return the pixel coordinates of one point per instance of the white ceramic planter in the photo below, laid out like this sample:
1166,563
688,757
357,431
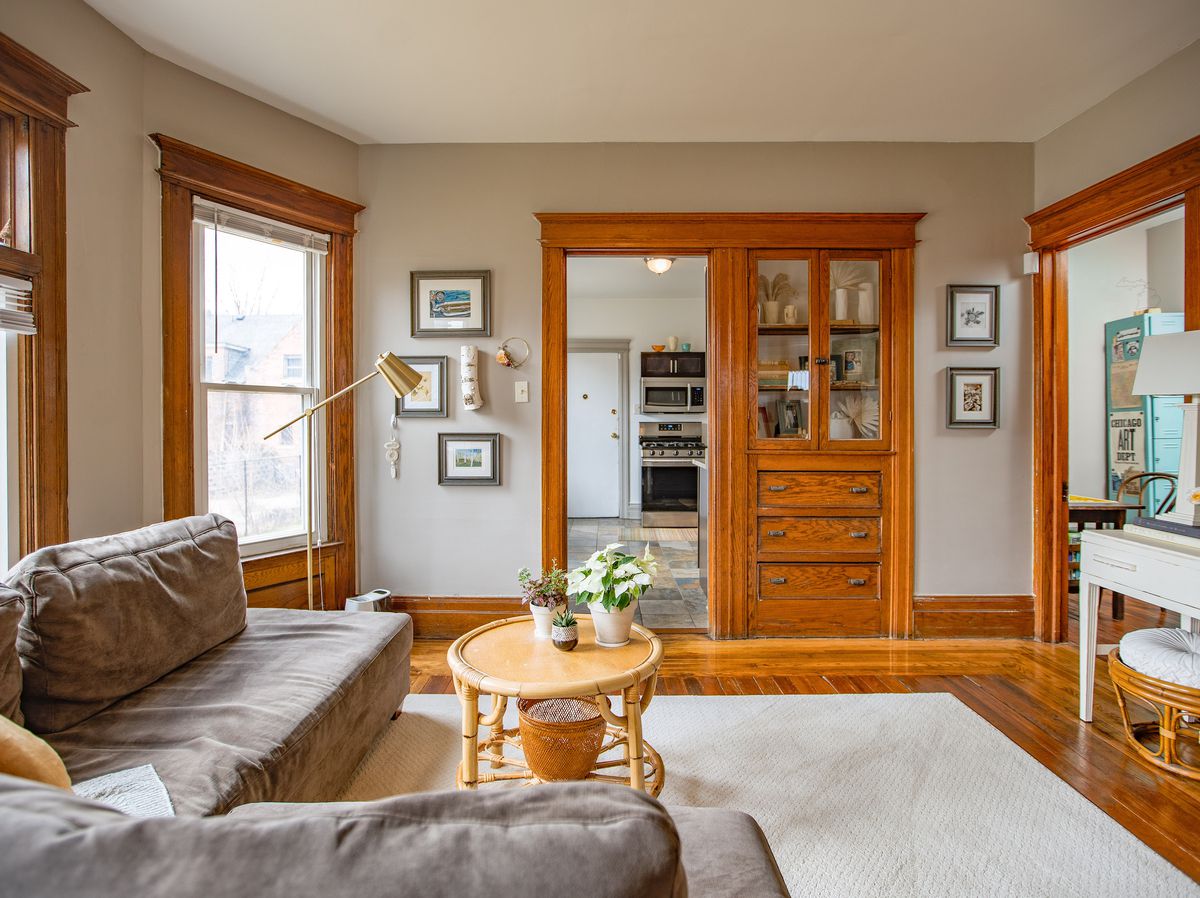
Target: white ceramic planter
543,619
612,627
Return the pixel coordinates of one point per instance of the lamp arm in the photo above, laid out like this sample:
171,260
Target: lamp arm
308,412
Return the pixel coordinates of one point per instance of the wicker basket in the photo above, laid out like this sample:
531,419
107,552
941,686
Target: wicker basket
1170,739
561,737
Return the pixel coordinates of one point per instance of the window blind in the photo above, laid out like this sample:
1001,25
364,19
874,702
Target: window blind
16,305
256,227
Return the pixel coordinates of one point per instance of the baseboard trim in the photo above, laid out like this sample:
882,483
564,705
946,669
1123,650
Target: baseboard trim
962,616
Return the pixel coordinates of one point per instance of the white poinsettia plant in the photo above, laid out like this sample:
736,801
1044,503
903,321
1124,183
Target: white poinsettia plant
612,578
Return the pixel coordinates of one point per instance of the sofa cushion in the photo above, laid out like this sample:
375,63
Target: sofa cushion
575,838
284,711
12,608
726,854
106,616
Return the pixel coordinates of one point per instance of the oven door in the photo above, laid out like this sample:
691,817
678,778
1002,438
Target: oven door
670,490
665,395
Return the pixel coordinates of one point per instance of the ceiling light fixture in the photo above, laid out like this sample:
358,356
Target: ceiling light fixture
659,264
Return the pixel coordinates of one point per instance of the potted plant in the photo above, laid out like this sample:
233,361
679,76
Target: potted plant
611,582
545,595
565,632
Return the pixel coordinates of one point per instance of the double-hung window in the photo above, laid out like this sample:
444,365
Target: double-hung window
258,302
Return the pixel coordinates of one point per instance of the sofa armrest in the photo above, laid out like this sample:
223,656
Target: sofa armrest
583,839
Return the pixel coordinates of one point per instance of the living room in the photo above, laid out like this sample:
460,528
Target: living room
206,235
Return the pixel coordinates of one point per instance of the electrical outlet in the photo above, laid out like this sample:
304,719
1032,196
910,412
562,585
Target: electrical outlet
522,391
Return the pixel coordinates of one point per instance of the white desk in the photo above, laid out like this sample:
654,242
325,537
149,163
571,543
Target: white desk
1162,572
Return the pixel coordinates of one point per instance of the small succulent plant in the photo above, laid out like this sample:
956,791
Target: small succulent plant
564,618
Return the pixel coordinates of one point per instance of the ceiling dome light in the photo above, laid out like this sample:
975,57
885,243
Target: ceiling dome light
659,264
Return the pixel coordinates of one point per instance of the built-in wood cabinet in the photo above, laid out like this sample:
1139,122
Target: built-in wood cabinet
672,364
821,358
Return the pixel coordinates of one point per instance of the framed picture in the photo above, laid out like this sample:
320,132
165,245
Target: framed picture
469,459
973,397
972,315
428,400
852,359
451,303
837,367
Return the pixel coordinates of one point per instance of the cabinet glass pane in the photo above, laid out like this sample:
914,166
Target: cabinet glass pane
854,357
783,349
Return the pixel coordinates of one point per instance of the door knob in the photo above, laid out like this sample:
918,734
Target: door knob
612,411
585,396
614,436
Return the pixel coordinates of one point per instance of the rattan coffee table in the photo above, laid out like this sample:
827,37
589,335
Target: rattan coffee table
504,660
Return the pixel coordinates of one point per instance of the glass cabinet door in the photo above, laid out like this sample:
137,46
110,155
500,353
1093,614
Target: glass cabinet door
783,302
855,356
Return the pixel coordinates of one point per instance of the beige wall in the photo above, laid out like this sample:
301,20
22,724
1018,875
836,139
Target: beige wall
469,206
1150,114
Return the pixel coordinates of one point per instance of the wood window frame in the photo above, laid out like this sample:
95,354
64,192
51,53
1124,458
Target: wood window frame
34,88
1170,179
186,172
727,239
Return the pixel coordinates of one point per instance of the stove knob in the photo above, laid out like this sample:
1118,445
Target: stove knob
675,452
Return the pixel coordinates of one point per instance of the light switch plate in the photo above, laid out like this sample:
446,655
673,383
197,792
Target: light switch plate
522,387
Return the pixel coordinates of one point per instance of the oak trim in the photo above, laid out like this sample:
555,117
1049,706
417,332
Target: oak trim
186,172
29,83
973,616
1163,181
452,616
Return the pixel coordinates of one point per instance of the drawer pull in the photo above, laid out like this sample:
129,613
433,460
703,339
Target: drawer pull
779,581
776,488
857,581
858,534
1113,562
859,490
776,533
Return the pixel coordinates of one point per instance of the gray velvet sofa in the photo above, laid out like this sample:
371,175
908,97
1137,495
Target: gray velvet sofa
139,649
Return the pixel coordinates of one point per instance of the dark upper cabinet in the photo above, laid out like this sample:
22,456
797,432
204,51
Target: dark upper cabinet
672,364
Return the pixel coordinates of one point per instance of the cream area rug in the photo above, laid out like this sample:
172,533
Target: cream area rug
859,795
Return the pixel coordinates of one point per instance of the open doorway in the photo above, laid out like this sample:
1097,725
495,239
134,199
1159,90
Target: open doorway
1123,448
637,424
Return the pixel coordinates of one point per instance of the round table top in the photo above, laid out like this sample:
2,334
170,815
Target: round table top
505,658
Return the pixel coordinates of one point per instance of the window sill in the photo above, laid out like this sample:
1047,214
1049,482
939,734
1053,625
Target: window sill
275,554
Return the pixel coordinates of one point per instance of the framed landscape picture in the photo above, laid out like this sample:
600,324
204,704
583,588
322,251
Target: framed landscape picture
469,459
972,315
428,400
451,303
973,397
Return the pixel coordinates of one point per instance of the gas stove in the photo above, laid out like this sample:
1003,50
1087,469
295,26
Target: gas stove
671,454
678,443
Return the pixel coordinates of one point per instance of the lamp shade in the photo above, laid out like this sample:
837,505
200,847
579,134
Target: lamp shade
1169,365
400,377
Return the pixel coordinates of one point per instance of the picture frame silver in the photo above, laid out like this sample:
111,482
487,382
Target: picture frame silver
417,362
424,320
988,386
447,443
963,303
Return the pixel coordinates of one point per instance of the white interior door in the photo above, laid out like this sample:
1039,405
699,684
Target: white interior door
593,428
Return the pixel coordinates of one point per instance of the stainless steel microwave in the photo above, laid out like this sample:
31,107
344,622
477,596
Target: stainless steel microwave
672,396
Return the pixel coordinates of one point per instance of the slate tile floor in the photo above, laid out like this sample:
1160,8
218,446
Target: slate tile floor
676,600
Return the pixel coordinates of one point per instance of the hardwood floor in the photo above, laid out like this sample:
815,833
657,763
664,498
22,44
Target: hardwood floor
1027,690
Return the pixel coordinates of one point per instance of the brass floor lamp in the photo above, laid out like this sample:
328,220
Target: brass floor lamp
401,378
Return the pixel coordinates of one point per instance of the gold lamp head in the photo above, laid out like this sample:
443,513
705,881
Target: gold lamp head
400,377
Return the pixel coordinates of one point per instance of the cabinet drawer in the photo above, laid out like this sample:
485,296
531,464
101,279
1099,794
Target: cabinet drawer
839,581
858,535
818,489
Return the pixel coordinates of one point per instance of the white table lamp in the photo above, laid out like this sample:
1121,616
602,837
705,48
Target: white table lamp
1169,365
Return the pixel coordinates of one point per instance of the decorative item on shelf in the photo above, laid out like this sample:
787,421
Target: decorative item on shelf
472,396
972,315
468,459
841,304
771,311
451,302
774,294
565,632
428,398
658,347
863,412
853,361
403,380
505,357
789,314
672,344
837,367
611,582
972,398
844,276
685,347
546,597
867,310
840,425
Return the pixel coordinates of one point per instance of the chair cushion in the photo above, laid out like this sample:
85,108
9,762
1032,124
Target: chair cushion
1165,654
284,711
105,617
12,608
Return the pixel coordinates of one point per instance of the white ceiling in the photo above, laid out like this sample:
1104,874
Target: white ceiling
402,71
627,277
